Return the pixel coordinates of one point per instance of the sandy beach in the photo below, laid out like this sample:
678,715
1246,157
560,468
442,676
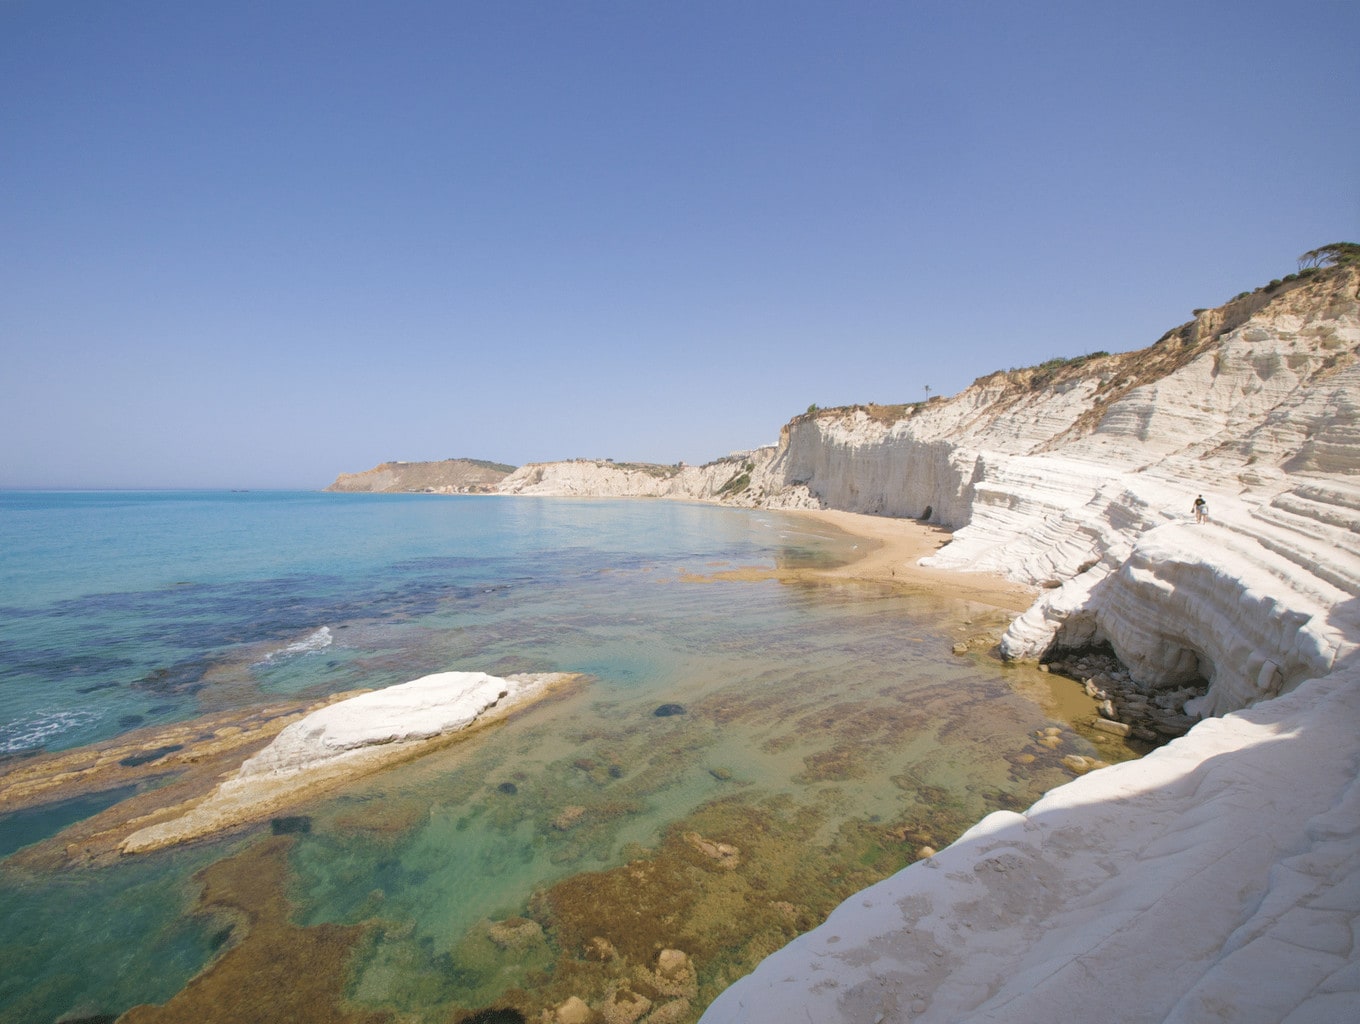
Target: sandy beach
900,544
892,555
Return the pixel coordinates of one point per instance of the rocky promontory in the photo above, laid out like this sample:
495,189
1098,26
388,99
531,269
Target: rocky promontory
451,476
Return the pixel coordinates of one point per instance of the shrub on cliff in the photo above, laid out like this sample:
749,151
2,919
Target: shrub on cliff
739,481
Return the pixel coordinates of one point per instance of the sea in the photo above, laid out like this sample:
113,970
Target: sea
740,755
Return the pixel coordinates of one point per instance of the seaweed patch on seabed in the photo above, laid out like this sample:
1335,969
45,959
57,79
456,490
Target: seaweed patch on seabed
269,968
725,888
669,928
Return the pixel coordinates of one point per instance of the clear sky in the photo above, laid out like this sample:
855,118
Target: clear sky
256,244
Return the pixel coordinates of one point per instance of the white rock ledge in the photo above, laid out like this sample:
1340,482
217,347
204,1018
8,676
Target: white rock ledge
1217,878
344,740
418,710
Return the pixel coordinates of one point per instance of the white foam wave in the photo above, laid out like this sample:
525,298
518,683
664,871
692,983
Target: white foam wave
35,730
317,641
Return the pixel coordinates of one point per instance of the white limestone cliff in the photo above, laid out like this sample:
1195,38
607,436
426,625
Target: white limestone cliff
604,478
1217,878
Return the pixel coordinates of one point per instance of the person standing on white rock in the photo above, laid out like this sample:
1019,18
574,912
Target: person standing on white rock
1201,510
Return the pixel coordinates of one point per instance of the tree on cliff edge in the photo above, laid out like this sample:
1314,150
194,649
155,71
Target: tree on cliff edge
1335,255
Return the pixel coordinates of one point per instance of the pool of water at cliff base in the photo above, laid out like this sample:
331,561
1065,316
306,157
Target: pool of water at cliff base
827,734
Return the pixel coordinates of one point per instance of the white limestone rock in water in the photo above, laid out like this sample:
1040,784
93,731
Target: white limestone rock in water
417,710
343,741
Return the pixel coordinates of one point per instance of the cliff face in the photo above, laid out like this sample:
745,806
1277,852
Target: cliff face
726,480
1079,478
1256,391
451,476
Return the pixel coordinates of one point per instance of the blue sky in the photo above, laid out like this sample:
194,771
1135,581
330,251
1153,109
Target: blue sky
259,244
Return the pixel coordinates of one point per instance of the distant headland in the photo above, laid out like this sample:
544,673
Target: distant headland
449,476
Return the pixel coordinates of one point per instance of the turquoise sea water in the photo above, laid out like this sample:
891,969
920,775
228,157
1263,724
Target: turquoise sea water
116,606
835,716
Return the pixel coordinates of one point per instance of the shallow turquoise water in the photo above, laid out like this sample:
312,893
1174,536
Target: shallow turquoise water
82,944
827,708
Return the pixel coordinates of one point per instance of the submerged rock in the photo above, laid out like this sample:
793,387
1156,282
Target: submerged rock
674,1012
726,855
294,824
515,933
1113,728
1080,764
568,817
573,1011
497,1015
667,710
675,975
624,1007
146,757
601,949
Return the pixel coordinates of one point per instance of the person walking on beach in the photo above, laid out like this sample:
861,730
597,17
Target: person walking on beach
1201,510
